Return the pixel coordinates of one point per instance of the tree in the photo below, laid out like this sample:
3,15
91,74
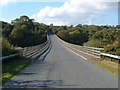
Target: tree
24,18
27,33
7,29
7,48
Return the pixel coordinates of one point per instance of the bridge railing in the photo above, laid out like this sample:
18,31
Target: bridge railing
90,50
26,51
30,51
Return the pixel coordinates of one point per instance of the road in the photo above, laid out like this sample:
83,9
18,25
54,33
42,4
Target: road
62,69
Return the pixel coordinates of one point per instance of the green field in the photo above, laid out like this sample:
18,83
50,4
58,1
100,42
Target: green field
10,69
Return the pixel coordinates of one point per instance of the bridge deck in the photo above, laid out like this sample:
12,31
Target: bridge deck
62,68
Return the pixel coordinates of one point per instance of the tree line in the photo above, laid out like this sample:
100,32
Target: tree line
24,32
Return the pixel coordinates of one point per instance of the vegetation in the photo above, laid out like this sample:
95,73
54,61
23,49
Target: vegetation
107,39
22,32
10,69
7,48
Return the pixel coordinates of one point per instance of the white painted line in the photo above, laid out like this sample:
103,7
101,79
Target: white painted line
75,53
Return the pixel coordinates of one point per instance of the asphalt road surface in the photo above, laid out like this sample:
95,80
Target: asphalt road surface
62,69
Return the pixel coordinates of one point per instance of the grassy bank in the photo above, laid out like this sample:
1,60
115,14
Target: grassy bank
11,68
107,65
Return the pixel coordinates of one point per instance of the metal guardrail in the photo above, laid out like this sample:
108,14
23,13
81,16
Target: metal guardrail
111,56
30,51
10,56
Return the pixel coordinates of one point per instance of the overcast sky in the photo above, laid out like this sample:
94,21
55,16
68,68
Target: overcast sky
62,12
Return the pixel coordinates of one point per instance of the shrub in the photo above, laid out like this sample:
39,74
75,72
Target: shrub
113,48
93,43
7,48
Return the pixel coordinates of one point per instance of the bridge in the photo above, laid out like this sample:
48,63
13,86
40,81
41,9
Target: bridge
62,68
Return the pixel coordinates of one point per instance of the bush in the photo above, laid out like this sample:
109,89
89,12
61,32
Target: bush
7,48
113,48
93,43
118,51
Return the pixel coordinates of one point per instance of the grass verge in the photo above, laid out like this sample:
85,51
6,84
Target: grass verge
10,69
109,66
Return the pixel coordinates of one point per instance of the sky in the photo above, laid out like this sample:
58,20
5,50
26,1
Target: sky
62,12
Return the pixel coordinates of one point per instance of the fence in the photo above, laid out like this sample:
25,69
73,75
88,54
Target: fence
30,51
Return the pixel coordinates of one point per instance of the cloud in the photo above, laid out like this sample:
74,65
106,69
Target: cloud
72,12
6,2
6,20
